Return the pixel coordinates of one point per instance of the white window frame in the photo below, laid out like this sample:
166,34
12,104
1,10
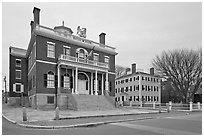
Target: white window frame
16,74
66,82
50,80
64,48
107,60
50,51
20,63
94,57
21,87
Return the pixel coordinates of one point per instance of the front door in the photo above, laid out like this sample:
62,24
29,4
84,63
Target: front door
82,87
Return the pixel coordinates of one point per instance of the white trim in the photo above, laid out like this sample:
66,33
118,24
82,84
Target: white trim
14,87
96,53
107,57
16,64
111,73
47,62
66,47
48,42
32,67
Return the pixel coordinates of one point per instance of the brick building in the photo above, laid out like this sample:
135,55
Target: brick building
138,86
58,64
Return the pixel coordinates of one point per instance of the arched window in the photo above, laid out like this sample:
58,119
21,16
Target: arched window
50,79
81,53
66,81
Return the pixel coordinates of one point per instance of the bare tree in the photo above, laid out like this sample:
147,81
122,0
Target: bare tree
183,68
119,70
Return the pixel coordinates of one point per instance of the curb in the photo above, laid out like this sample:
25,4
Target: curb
110,115
84,124
81,125
11,121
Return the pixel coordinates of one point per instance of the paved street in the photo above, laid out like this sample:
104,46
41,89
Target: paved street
185,124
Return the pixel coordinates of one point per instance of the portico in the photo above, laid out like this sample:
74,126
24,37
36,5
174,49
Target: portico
85,78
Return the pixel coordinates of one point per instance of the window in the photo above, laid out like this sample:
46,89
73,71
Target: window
50,50
116,90
130,98
126,89
126,80
130,79
96,57
106,60
50,99
18,62
137,78
66,81
137,88
18,87
130,88
66,50
18,74
50,80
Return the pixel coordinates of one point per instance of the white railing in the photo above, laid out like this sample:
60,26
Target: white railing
84,61
73,37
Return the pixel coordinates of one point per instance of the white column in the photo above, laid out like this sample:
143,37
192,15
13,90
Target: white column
106,87
140,90
76,81
73,81
102,85
91,83
58,79
58,85
96,83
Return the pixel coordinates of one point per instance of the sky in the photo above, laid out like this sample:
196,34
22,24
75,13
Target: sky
139,31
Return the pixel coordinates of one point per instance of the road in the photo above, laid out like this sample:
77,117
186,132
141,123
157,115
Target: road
162,125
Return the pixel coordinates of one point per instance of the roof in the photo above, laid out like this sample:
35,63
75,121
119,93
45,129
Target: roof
137,73
69,30
19,52
51,33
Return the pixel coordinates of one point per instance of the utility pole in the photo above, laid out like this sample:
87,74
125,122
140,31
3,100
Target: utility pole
5,91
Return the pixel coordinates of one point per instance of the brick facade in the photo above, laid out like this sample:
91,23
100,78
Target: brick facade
46,73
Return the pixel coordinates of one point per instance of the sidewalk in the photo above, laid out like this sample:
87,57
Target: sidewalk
38,117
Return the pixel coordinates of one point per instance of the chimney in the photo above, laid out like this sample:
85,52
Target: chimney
102,38
36,14
133,68
151,71
32,26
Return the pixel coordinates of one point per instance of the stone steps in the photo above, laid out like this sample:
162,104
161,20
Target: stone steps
92,102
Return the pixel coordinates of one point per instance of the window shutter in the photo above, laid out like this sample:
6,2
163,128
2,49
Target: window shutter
56,81
62,81
45,80
14,87
71,82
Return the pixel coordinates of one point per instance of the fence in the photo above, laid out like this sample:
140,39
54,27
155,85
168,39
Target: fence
163,106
